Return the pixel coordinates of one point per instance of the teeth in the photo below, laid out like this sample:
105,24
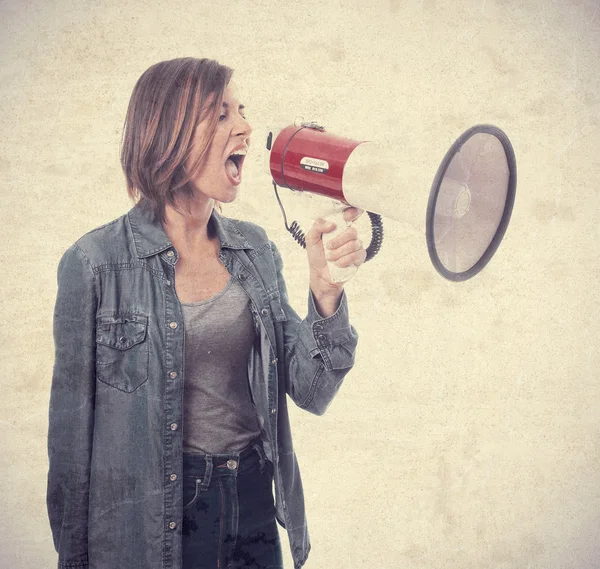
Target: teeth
239,153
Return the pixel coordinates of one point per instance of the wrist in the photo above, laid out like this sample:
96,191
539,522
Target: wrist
325,289
327,299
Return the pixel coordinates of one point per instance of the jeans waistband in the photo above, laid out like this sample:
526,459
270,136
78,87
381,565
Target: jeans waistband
224,464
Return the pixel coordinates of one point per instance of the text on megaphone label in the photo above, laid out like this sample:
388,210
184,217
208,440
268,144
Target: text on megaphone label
314,165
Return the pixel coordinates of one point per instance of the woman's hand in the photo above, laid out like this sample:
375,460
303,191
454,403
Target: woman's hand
345,250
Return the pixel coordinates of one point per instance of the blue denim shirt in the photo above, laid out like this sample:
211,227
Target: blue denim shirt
115,451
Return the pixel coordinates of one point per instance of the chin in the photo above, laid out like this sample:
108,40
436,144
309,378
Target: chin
228,196
224,194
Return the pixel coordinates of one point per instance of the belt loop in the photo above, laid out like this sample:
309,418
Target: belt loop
261,455
207,473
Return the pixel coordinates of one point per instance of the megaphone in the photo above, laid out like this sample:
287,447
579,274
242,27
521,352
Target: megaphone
469,206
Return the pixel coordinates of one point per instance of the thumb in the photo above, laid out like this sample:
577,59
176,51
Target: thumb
320,226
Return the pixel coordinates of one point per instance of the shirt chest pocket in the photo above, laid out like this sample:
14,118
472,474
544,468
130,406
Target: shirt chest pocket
122,350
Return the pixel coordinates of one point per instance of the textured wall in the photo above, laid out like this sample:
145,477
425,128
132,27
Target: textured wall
467,434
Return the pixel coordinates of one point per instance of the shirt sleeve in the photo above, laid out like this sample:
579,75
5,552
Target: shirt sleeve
319,351
71,412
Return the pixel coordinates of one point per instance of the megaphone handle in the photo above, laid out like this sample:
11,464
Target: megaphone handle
337,274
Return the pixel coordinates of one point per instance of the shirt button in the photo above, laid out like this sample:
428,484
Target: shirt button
321,338
173,477
242,276
173,374
264,312
318,327
173,426
170,253
273,411
274,361
231,464
173,325
172,525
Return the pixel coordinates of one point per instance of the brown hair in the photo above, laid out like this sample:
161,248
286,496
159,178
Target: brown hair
164,109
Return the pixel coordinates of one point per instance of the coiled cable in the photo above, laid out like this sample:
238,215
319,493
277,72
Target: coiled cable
376,235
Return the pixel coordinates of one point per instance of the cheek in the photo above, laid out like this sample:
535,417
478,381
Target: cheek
213,161
215,156
209,166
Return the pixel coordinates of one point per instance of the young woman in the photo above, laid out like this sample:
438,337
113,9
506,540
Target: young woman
176,347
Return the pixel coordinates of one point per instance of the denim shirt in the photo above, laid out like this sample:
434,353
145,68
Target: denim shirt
115,494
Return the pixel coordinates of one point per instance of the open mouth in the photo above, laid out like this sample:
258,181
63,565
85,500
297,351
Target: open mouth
233,167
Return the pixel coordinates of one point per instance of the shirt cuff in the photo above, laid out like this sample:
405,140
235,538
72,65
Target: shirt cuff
332,337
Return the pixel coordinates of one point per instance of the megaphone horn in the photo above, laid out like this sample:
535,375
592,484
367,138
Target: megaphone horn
470,201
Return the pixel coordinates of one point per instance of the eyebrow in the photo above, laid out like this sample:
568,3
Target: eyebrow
239,108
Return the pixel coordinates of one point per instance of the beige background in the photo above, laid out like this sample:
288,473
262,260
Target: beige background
467,434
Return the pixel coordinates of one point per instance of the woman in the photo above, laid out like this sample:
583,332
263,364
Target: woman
144,471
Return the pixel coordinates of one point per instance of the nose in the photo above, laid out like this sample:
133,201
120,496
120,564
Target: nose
243,127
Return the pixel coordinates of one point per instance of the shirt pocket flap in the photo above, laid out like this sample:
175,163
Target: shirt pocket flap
121,331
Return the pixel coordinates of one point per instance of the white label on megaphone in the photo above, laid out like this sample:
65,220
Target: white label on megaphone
314,165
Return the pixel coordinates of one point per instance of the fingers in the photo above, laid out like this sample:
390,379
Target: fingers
351,253
346,249
350,234
355,258
321,226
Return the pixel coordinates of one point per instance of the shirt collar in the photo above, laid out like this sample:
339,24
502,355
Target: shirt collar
150,238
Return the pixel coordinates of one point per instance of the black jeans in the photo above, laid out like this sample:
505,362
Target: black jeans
229,512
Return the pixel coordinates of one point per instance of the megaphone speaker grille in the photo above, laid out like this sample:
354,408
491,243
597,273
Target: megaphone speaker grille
471,202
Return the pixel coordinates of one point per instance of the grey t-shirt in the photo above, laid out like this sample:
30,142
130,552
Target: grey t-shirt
218,413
